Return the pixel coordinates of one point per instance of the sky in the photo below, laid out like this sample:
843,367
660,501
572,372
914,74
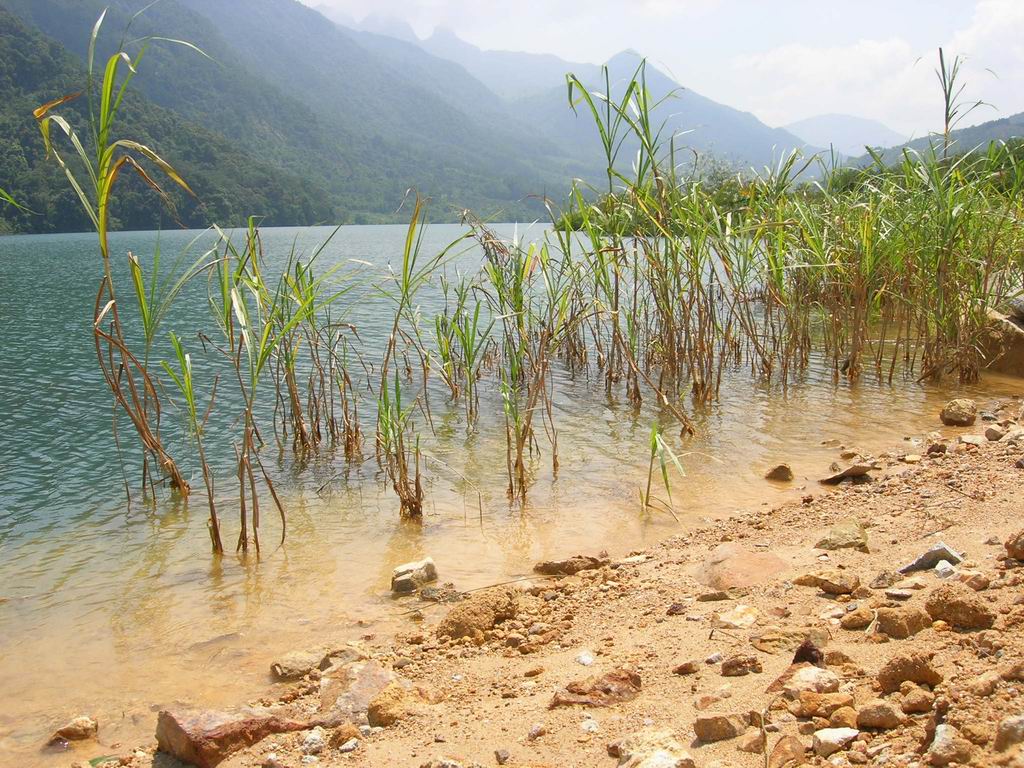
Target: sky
783,60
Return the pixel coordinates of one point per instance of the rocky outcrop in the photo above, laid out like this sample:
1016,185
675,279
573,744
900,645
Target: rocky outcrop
1002,344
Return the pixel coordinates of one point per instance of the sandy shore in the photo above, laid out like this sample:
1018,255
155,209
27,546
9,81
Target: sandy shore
683,654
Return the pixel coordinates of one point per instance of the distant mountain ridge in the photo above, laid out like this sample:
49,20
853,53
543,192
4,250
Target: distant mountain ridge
962,139
847,134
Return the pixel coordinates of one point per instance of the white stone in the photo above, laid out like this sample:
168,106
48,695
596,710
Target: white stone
830,740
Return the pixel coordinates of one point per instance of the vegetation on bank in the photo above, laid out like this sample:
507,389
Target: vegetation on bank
666,286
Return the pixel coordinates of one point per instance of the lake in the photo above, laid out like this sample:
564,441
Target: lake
114,608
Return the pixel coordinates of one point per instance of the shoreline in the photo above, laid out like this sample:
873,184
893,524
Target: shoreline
662,614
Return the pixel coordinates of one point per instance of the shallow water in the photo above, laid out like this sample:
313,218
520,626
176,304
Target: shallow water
115,610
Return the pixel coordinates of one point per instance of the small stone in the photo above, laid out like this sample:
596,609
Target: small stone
959,606
859,618
899,594
349,746
944,569
830,582
994,433
738,666
915,667
501,756
314,742
788,749
687,668
885,579
536,731
1009,732
844,717
1015,545
901,623
948,746
780,473
740,617
651,749
916,701
811,679
586,658
81,728
752,742
879,715
847,534
711,728
409,577
931,558
830,740
961,412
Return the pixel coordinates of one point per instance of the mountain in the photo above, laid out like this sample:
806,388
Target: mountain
847,134
696,121
34,70
963,139
509,74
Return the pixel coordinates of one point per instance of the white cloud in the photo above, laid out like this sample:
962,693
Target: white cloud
887,79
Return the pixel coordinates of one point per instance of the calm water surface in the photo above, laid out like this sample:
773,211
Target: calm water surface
115,609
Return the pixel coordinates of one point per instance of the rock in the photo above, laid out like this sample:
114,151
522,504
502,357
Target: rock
712,728
847,534
1002,343
740,617
844,717
811,678
349,746
830,582
899,594
738,666
205,739
903,622
611,688
979,582
409,577
916,701
976,440
479,613
82,728
314,742
788,751
948,746
777,640
501,756
985,684
586,659
994,434
730,566
571,566
1015,546
854,471
959,413
651,749
879,715
298,664
959,606
346,692
885,579
830,740
342,735
398,701
752,742
780,473
931,558
859,618
1009,732
812,704
945,570
691,667
913,666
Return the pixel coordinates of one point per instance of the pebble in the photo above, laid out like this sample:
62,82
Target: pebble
586,658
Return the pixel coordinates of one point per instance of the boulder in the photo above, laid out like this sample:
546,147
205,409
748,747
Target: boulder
730,566
959,606
479,613
961,412
409,577
205,739
846,534
712,728
913,666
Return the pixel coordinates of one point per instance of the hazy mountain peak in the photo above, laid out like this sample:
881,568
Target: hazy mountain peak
847,134
390,26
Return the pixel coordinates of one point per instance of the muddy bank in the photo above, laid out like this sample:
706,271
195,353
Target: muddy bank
785,633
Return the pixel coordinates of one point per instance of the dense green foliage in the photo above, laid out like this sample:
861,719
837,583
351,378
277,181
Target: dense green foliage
228,182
